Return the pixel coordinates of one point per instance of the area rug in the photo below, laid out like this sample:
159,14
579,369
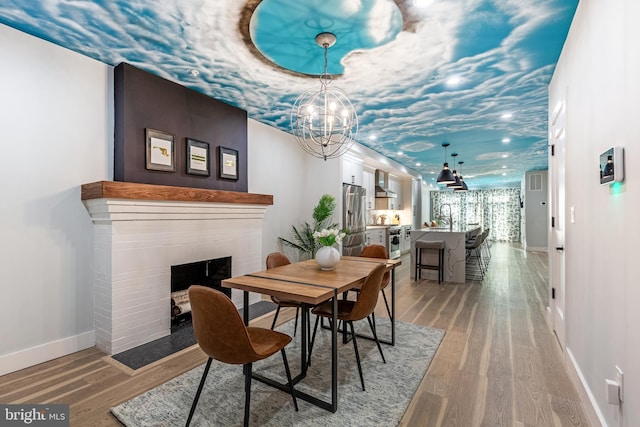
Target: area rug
389,387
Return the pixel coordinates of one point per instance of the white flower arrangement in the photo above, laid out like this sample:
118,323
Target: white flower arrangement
328,237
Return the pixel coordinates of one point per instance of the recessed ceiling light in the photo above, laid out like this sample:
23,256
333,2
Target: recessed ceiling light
507,116
194,72
454,81
504,156
372,137
504,174
418,164
504,167
506,140
400,153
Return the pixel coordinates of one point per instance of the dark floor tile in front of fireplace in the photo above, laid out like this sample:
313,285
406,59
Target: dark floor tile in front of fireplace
181,337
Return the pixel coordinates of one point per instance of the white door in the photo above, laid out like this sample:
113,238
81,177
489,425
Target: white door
557,136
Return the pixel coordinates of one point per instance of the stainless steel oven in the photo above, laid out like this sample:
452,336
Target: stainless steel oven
395,234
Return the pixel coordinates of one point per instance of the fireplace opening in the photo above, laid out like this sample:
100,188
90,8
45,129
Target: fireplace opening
206,273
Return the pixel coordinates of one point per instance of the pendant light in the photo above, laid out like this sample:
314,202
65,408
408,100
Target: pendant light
464,184
323,120
445,176
457,183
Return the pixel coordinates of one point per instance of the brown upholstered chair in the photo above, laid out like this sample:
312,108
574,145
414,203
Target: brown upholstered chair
277,259
223,336
379,251
350,311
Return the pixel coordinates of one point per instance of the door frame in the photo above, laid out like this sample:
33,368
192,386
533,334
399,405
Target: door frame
557,273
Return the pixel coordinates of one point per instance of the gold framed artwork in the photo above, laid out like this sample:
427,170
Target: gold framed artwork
161,153
198,157
227,163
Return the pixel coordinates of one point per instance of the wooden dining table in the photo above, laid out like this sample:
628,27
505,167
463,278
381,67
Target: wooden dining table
305,282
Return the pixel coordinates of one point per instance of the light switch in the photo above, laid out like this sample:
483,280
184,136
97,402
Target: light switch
612,391
573,215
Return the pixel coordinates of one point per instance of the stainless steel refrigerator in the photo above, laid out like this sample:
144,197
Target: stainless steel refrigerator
353,219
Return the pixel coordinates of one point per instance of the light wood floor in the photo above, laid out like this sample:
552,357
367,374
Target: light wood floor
499,364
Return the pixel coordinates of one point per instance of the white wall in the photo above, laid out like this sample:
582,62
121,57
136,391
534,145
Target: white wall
57,127
56,113
278,166
599,71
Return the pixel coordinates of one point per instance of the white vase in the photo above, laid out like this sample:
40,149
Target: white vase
327,257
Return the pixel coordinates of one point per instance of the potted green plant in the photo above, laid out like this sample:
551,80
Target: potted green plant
302,239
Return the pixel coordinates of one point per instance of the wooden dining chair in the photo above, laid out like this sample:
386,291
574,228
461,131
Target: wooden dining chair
350,311
223,336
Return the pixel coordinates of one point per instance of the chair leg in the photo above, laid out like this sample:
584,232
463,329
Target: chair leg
290,382
195,399
247,393
273,325
355,348
375,335
313,339
308,336
386,303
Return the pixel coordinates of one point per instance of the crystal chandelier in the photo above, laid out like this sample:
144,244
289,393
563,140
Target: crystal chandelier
323,122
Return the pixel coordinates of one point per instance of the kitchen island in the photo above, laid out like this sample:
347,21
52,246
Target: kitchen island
454,252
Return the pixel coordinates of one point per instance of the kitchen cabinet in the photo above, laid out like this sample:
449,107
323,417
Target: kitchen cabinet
395,185
376,236
369,185
352,170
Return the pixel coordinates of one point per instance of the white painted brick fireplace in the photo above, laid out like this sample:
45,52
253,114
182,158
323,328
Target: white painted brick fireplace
137,241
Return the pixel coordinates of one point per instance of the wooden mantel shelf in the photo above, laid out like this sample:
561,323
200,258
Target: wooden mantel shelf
135,191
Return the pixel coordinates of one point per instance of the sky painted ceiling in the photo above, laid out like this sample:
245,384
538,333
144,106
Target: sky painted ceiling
419,73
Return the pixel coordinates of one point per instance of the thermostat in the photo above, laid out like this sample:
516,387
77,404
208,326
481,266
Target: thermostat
612,165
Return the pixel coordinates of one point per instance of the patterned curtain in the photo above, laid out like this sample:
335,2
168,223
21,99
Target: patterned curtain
498,210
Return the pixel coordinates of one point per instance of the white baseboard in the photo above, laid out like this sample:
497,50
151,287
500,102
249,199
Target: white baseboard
537,249
586,397
42,353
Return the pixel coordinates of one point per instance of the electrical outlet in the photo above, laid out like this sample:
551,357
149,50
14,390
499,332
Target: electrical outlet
620,380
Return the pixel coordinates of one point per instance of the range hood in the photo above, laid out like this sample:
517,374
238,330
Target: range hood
382,185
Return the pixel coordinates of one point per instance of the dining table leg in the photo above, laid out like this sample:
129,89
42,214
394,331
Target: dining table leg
334,354
245,305
393,306
304,354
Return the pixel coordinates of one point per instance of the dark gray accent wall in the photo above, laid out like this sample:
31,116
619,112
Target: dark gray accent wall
144,100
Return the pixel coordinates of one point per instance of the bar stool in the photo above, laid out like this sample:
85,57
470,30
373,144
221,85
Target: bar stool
430,245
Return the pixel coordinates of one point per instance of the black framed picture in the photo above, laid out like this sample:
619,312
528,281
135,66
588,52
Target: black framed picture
161,153
198,157
227,163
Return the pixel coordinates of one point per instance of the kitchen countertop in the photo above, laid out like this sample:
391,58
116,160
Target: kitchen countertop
445,229
372,226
